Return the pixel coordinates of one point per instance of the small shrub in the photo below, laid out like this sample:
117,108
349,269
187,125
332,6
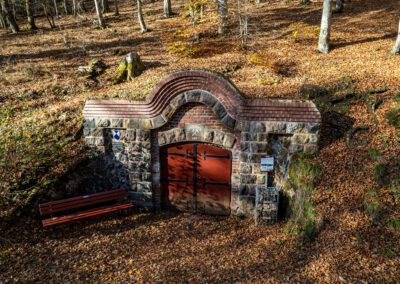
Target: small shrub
381,174
373,205
393,117
394,223
395,190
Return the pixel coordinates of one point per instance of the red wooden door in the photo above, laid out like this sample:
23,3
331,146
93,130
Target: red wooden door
196,178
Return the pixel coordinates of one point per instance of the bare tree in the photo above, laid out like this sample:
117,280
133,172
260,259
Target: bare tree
116,12
9,16
324,35
29,15
48,14
65,7
243,21
223,16
100,18
143,27
105,7
3,24
396,47
167,8
55,7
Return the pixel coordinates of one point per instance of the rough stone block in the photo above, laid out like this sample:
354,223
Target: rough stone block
276,127
245,168
311,148
170,136
194,132
293,127
256,127
178,101
99,141
142,135
89,141
87,132
193,96
132,123
118,147
296,148
242,125
161,139
117,122
130,135
145,123
228,121
248,179
180,134
89,123
168,112
208,135
229,141
219,110
103,122
245,205
260,179
262,137
208,99
313,138
313,127
218,137
299,138
157,122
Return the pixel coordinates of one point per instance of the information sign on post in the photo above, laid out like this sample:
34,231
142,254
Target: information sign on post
267,164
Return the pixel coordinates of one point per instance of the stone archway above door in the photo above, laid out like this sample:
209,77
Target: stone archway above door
131,132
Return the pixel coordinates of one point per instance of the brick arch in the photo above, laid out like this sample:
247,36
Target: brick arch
197,96
181,81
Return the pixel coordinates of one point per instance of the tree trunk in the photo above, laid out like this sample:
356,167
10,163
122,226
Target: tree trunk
143,28
9,17
65,7
396,47
167,8
223,16
74,7
324,36
339,6
3,24
29,15
105,7
55,8
116,12
49,16
100,18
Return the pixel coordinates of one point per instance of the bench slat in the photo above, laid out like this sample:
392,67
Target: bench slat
86,214
81,201
80,197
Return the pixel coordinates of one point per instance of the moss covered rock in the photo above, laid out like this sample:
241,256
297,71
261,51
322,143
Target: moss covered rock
131,66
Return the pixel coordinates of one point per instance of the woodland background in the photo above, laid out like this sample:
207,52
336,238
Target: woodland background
268,50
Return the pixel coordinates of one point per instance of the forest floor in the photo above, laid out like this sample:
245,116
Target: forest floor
42,96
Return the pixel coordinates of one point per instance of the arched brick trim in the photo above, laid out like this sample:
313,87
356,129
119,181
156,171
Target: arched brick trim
216,91
196,134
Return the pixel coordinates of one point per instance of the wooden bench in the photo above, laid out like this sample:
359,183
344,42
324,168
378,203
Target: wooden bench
65,205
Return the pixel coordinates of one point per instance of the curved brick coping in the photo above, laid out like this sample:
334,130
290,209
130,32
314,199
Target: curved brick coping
200,86
196,133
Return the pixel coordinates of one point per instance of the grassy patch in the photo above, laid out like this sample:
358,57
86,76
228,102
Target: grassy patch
303,219
373,205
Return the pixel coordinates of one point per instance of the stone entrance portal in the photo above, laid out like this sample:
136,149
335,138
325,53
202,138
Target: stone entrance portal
197,107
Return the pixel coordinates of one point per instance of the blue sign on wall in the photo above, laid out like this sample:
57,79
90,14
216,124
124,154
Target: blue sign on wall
116,134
